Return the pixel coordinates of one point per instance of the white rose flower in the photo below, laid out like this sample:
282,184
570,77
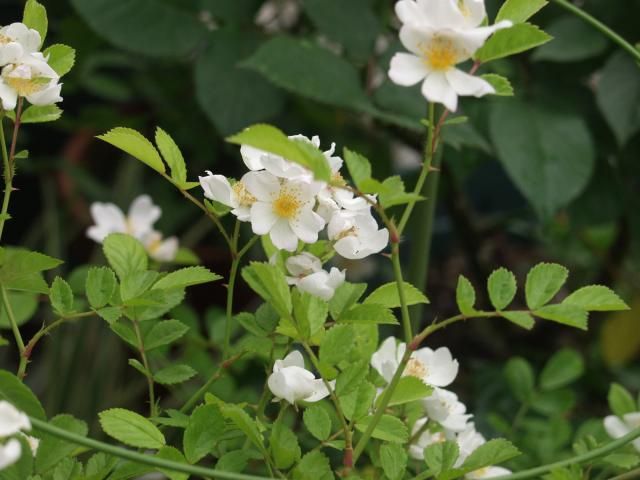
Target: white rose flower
443,406
618,427
292,382
426,438
16,40
440,38
138,223
433,367
356,234
468,440
307,274
9,453
31,77
12,420
283,209
236,196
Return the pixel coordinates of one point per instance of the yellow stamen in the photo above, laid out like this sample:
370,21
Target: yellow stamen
440,54
415,368
154,245
287,204
244,197
4,39
25,86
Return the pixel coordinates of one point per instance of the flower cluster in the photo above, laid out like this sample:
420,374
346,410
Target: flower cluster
138,223
13,422
283,200
441,34
25,71
445,416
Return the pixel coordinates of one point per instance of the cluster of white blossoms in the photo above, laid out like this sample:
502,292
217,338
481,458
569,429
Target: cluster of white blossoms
283,200
25,71
441,34
138,223
618,427
12,423
445,416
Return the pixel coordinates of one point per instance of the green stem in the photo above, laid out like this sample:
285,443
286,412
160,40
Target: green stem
143,355
429,150
598,25
635,473
136,457
235,263
8,161
16,331
591,455
397,272
349,458
195,398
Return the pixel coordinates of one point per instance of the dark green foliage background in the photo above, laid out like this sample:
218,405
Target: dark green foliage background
550,175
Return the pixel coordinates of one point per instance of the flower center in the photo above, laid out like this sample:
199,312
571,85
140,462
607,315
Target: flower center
4,39
286,205
440,54
245,199
26,86
415,368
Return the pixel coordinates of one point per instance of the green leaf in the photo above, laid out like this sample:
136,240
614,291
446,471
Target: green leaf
270,283
368,313
618,96
136,284
440,457
573,40
136,145
543,283
19,266
345,296
358,403
61,297
307,69
234,461
245,423
241,97
131,428
174,455
174,32
565,314
352,24
519,11
563,368
409,389
24,306
284,446
393,459
620,400
521,379
519,38
596,298
336,344
206,426
100,286
548,154
35,16
500,84
359,166
393,193
270,139
186,277
125,254
163,333
625,461
173,156
52,449
313,466
41,114
522,319
493,452
174,374
388,296
60,57
318,422
310,313
389,428
67,468
18,394
465,296
502,288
